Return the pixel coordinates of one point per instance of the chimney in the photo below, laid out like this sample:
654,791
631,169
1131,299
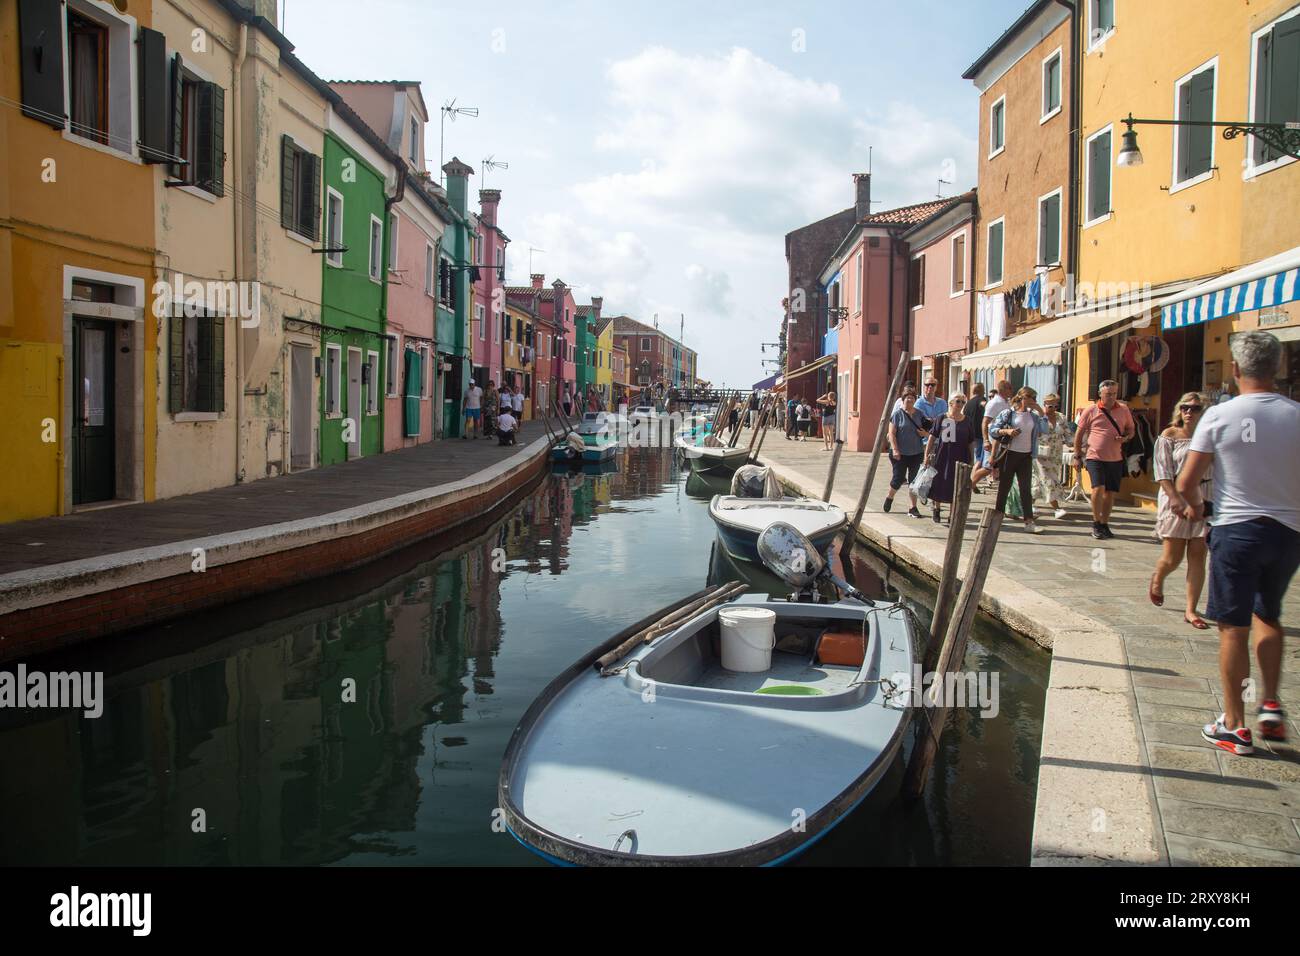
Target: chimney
862,195
458,185
539,280
596,302
267,9
488,199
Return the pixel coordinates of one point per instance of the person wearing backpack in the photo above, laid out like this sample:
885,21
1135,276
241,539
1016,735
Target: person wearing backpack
1103,429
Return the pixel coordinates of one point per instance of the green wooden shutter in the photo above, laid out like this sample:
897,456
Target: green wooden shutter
216,374
40,32
288,162
311,219
176,128
1283,77
1200,139
210,174
1099,177
176,363
995,253
151,51
411,400
1049,230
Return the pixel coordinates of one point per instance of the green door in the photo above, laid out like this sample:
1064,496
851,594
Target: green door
94,466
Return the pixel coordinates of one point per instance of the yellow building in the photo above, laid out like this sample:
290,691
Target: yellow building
604,377
520,323
1155,240
77,339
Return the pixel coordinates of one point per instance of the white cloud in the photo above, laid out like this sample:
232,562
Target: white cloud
708,289
591,259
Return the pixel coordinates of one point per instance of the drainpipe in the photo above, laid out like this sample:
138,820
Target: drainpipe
974,293
236,169
1072,260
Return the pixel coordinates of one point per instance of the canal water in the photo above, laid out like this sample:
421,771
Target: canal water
226,738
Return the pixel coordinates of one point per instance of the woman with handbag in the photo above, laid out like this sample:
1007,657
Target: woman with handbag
1048,456
1015,432
905,449
1177,534
951,440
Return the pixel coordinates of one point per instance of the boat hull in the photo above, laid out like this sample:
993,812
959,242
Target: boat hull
673,770
738,533
718,462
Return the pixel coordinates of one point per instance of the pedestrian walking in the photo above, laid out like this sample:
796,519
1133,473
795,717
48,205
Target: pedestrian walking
975,412
1178,535
995,406
753,409
1020,427
930,404
791,417
1048,456
517,404
733,420
827,403
804,420
567,401
473,410
1251,445
1103,429
491,405
952,438
906,450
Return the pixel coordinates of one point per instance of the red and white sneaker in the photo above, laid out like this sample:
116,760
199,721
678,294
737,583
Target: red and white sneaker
1237,742
1272,720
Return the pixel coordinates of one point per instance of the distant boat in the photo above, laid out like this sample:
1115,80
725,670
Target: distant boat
594,439
670,758
739,521
713,459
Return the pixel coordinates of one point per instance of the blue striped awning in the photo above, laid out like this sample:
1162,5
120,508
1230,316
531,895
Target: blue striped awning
1226,297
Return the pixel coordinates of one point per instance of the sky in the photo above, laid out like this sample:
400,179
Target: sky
658,152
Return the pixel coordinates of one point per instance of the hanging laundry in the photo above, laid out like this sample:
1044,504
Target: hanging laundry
1032,300
997,318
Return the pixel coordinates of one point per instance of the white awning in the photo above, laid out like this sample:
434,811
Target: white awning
812,366
1269,282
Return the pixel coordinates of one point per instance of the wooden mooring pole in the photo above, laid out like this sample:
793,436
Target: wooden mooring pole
881,431
934,706
947,592
760,430
830,475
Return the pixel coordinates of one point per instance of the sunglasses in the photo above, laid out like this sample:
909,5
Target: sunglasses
931,384
1191,408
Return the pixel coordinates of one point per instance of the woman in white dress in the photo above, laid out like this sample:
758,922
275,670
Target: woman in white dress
1047,458
1179,536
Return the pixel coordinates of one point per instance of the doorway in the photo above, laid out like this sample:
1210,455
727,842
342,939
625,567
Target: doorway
355,414
94,393
302,387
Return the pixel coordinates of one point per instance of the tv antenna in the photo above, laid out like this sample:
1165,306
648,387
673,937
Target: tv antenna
939,191
449,110
492,163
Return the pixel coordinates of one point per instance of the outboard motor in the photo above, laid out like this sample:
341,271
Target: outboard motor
793,558
755,481
575,445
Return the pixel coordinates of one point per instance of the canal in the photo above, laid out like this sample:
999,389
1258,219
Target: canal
227,738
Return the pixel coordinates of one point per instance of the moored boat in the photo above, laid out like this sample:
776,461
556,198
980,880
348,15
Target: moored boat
739,521
713,459
648,751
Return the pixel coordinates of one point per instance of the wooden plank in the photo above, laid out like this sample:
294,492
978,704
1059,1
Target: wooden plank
830,475
947,593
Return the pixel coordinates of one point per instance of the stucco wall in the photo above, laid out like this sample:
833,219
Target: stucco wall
943,322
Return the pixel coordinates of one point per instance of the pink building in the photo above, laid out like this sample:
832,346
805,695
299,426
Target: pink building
487,346
866,281
556,311
939,293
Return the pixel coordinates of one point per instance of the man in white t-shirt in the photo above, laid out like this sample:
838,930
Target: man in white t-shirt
473,410
1000,401
1253,445
517,401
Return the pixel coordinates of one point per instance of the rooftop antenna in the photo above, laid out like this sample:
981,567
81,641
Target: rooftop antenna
939,192
531,250
492,163
449,110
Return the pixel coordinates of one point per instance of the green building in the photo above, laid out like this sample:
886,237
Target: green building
352,293
451,330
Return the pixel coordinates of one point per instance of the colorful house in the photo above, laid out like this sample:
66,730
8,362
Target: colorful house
520,334
604,359
359,175
556,313
488,341
78,337
452,327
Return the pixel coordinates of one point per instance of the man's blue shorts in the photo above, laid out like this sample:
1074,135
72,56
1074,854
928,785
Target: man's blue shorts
1251,565
473,412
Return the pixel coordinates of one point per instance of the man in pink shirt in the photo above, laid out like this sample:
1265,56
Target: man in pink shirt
1104,428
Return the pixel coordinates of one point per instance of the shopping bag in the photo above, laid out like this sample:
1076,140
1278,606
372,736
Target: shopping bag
1014,508
925,478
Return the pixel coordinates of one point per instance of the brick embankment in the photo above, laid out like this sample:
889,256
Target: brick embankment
77,577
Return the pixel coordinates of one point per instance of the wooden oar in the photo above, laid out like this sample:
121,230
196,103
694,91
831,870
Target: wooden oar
605,662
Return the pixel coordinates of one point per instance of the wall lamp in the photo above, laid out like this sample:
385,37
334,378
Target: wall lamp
1280,137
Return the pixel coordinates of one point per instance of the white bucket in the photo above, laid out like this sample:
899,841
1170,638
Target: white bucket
748,636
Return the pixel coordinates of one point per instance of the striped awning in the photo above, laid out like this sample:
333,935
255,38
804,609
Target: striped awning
766,384
1269,282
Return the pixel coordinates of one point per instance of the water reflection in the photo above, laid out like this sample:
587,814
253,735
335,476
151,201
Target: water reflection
362,718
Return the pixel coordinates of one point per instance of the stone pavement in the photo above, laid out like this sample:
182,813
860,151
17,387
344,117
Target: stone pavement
304,494
1124,774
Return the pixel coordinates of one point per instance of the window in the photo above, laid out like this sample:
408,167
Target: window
645,345
1275,78
1097,202
372,383
1049,229
334,228
196,362
299,189
415,142
505,326
87,77
1051,85
392,242
376,247
958,264
853,383
446,283
998,127
1194,145
480,320
857,283
1101,21
392,350
916,282
428,269
198,133
333,375
993,265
